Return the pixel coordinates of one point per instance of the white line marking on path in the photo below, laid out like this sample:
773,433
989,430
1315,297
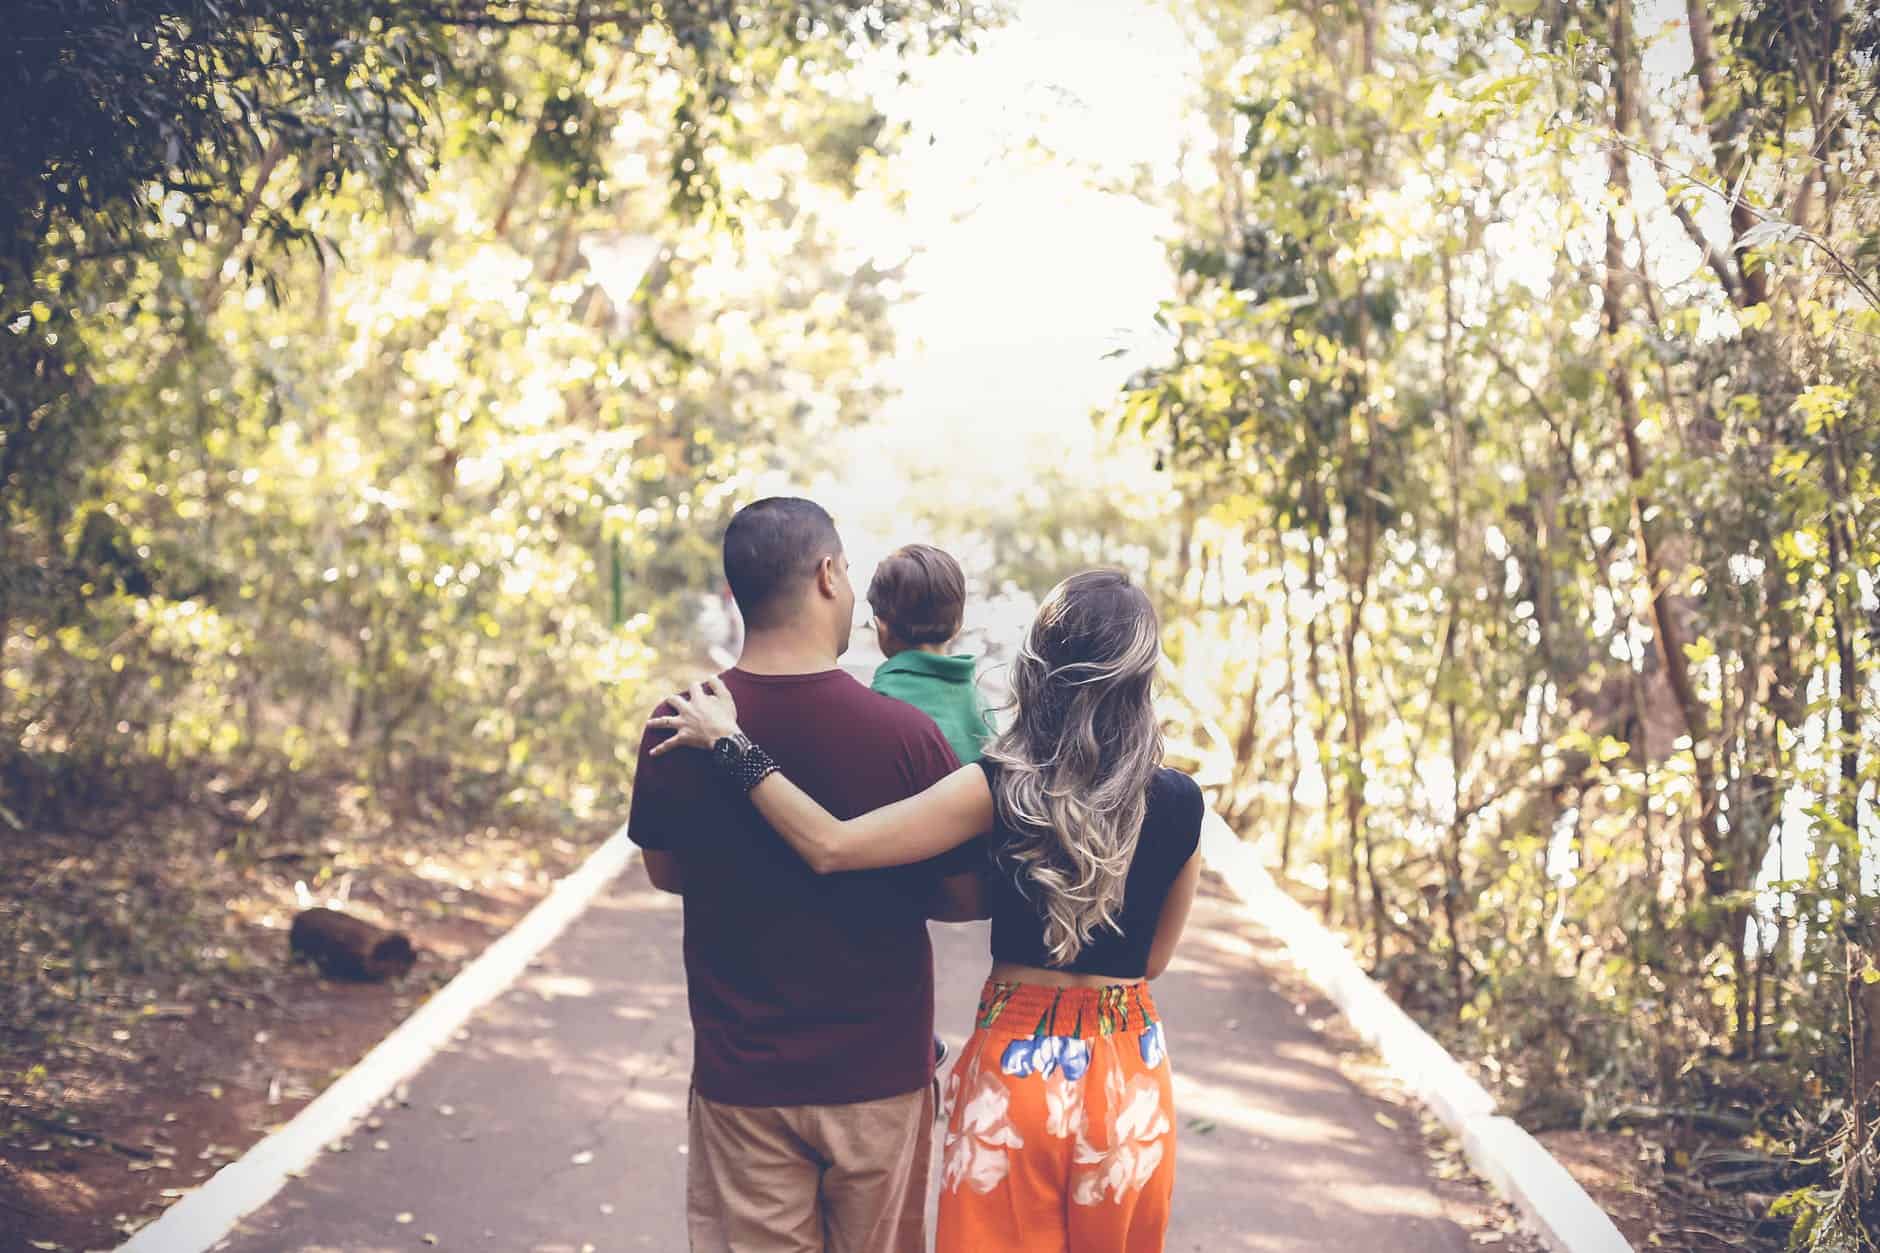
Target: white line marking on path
1517,1164
208,1214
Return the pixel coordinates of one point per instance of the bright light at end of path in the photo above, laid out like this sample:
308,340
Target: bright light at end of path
1026,268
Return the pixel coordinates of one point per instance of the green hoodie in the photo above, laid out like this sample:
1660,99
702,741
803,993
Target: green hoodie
942,688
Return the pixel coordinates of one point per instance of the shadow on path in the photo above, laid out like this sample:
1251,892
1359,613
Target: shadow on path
557,1122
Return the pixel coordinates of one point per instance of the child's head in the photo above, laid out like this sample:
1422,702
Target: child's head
918,595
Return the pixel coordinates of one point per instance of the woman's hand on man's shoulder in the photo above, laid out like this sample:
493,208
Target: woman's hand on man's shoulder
699,717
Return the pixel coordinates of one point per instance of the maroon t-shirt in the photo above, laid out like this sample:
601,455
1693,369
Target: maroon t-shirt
806,989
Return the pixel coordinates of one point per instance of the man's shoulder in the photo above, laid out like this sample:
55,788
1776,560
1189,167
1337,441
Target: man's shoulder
895,728
841,694
889,712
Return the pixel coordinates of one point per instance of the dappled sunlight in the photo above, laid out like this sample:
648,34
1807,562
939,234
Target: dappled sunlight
634,1013
653,903
569,1091
1229,1074
554,987
1216,951
1370,1197
663,1103
1485,394
1246,1108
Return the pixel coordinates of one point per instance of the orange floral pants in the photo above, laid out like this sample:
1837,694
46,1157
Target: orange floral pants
1060,1124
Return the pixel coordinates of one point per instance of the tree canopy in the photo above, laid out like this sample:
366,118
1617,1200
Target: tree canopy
376,375
1522,397
374,372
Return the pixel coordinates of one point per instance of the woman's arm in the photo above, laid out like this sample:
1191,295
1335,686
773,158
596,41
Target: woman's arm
925,825
1175,907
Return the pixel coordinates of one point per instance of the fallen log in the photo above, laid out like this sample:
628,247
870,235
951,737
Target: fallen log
79,1133
1706,1119
350,948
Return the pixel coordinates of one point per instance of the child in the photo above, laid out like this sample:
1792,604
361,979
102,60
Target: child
919,596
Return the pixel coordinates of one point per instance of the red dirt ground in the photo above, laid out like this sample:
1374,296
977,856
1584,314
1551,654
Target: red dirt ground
153,1025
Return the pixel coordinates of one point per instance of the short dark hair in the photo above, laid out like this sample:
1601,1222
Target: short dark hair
919,591
771,546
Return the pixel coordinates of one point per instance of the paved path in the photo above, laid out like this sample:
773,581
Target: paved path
557,1122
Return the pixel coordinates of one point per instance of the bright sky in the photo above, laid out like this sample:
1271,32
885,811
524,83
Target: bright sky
1024,273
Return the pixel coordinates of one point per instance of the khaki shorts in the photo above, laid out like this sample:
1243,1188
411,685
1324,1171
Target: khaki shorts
809,1178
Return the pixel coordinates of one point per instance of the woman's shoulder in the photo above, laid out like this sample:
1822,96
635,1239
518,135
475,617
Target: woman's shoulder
1175,786
1176,803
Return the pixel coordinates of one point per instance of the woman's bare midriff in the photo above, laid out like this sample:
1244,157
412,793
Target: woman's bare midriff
1012,972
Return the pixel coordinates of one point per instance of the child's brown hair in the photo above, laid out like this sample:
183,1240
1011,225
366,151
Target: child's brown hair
920,593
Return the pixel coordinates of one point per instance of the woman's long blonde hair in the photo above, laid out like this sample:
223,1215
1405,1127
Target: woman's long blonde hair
1076,762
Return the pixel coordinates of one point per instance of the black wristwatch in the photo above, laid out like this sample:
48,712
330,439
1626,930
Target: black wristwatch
742,761
726,749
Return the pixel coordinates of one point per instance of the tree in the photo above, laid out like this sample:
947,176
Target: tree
1566,473
389,396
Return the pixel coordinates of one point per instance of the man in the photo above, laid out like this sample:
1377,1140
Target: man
811,1115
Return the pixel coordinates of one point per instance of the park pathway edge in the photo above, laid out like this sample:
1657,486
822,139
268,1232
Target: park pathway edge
1516,1164
209,1213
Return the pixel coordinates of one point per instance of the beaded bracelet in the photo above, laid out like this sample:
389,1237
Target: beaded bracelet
748,768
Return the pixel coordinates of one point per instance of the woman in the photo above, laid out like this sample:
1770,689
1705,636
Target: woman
1061,1120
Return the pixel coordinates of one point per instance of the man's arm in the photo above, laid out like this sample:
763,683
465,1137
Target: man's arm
958,898
655,814
663,869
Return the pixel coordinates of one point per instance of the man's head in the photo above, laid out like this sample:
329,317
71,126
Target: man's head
919,596
784,562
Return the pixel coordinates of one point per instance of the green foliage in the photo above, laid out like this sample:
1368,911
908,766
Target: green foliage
379,374
1534,530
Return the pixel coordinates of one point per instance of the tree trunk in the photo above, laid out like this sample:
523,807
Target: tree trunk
1367,33
1863,1039
1863,998
1452,862
1666,631
1247,744
1780,952
1840,551
1753,283
1321,710
1356,728
1452,845
215,286
1292,727
1756,1008
350,948
1185,549
1737,920
1352,779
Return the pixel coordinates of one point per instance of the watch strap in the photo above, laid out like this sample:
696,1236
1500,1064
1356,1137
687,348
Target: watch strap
746,764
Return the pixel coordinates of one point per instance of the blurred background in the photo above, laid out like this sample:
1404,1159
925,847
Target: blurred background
1485,390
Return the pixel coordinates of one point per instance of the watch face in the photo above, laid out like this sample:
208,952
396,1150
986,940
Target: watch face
725,747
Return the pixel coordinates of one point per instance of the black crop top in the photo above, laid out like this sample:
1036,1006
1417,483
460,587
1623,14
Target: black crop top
1171,830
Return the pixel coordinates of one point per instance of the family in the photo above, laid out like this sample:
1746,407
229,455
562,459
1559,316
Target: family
814,826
